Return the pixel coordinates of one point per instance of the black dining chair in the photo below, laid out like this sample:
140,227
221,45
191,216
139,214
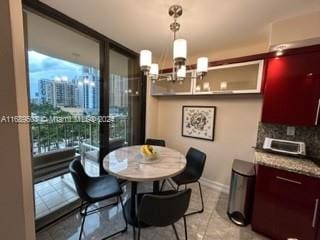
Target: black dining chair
164,209
195,164
93,190
156,142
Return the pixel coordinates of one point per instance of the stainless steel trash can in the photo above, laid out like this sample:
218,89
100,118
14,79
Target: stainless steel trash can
241,192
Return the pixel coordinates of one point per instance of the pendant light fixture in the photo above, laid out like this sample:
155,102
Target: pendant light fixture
179,56
145,60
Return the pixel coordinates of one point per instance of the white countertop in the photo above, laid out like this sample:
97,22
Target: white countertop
291,164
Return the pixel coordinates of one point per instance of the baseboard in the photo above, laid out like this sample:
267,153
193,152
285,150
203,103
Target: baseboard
215,185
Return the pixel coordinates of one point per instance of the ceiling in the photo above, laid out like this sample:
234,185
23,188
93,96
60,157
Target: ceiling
47,37
208,25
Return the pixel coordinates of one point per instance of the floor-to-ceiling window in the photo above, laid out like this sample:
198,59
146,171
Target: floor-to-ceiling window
125,94
85,93
64,97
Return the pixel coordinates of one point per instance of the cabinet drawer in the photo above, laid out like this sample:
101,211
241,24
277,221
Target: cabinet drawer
289,178
286,204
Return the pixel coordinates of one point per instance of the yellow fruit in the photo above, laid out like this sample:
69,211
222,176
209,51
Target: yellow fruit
142,150
150,149
147,150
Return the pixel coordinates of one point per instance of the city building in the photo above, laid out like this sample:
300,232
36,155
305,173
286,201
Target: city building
81,92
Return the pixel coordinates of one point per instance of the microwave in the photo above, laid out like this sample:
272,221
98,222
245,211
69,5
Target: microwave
285,146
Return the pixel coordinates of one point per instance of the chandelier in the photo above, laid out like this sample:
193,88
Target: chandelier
179,56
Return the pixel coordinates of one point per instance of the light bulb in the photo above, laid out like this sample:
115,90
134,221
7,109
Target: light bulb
180,51
145,60
181,73
154,70
202,65
279,49
279,53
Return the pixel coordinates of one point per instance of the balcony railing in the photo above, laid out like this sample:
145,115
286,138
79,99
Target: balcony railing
51,136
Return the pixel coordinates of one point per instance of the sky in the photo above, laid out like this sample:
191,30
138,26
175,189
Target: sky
45,67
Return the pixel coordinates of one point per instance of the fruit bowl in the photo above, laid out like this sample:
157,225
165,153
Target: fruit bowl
148,153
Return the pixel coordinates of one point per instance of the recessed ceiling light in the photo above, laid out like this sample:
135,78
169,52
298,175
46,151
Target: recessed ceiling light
279,50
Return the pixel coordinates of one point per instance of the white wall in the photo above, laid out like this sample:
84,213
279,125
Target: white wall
235,131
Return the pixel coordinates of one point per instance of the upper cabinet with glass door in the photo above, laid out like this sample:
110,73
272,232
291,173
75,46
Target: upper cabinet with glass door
231,79
165,87
237,78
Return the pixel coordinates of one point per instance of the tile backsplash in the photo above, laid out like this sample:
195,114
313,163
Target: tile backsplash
309,135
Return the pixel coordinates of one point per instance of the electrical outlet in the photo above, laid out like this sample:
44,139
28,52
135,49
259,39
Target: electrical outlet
291,131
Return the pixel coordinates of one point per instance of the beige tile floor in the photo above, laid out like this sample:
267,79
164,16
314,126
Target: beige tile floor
212,224
57,192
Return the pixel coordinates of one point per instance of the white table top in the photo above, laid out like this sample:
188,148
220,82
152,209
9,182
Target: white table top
127,163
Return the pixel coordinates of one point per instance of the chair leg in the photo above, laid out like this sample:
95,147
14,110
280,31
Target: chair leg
86,213
81,208
83,220
162,185
202,204
95,210
175,231
134,232
185,227
139,232
171,184
124,215
125,219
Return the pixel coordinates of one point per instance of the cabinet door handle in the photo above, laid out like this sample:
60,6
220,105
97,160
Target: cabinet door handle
315,212
317,115
288,180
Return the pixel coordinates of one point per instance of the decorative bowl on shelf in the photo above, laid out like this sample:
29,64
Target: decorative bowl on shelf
148,153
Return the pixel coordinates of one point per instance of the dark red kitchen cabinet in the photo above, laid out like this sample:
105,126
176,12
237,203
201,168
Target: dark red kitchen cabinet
286,205
263,209
292,89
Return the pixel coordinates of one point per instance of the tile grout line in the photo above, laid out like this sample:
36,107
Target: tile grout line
211,215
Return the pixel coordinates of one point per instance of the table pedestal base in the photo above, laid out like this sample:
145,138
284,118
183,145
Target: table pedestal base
134,201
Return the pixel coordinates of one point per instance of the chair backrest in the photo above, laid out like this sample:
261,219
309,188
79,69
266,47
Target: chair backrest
80,178
163,210
156,142
115,143
195,162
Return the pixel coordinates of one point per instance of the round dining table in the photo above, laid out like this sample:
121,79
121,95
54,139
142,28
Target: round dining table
128,163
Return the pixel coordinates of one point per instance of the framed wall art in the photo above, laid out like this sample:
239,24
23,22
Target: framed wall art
198,122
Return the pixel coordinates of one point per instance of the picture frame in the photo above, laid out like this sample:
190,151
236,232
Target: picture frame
198,122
